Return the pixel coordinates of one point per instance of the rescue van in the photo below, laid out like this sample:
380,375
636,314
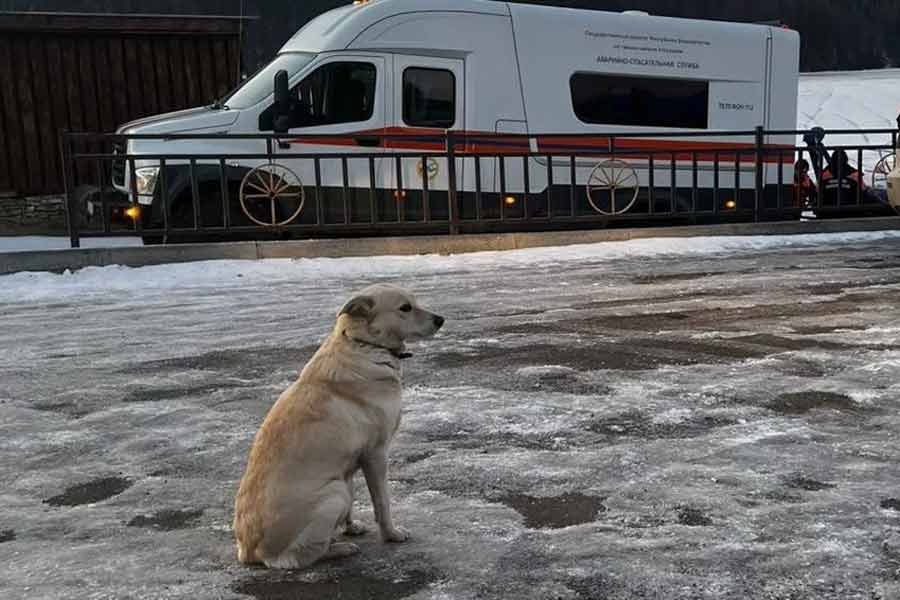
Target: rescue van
669,101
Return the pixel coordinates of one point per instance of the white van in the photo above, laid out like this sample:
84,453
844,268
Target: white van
482,68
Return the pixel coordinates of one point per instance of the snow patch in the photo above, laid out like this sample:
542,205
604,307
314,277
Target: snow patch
762,431
548,370
891,364
233,274
850,100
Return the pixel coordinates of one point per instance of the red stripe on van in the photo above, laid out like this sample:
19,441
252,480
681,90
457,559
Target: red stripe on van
426,140
490,143
663,150
470,142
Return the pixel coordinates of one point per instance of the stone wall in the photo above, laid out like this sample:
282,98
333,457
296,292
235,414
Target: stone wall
33,215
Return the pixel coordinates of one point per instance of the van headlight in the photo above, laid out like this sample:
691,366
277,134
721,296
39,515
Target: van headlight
145,180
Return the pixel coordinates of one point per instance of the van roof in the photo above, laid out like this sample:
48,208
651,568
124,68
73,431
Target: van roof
338,28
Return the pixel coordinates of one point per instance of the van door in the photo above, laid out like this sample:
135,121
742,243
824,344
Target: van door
428,99
340,95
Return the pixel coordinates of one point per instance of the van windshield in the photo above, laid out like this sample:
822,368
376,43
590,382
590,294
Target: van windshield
258,87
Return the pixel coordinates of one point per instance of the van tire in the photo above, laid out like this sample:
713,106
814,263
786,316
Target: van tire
181,215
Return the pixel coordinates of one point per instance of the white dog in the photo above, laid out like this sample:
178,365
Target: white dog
338,417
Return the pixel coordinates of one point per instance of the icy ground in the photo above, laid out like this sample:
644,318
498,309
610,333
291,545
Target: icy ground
678,419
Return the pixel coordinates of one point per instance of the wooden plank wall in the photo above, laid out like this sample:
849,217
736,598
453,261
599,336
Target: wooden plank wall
94,73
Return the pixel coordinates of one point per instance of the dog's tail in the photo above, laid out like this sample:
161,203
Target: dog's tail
245,539
245,555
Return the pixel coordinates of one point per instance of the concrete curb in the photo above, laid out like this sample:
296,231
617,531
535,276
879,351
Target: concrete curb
60,260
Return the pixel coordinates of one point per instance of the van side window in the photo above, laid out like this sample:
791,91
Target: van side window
338,92
429,98
640,101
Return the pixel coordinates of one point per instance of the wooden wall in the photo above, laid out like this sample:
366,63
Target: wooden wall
94,72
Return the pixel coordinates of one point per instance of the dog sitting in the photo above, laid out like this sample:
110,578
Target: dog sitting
338,417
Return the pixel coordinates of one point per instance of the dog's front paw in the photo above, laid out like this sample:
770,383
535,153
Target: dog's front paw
396,535
341,550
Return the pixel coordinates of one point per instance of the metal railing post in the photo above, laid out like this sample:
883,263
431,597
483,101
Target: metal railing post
73,217
759,200
451,184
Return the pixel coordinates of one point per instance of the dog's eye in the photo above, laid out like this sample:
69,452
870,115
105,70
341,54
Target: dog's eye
406,308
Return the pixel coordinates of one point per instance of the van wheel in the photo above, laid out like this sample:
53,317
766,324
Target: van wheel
182,212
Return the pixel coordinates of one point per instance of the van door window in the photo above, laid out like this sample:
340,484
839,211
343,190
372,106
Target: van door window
338,92
640,101
429,98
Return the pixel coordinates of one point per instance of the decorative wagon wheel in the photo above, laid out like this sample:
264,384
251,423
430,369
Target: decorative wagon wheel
432,167
612,180
266,187
882,169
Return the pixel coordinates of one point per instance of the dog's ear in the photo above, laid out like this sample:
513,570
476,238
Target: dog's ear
359,307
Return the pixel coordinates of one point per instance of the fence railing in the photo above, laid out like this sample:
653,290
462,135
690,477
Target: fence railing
183,187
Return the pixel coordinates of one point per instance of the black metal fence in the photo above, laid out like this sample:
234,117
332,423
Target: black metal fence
189,187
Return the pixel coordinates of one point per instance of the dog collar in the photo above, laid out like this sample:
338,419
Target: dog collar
395,353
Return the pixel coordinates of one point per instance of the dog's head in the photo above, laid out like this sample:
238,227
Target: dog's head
387,316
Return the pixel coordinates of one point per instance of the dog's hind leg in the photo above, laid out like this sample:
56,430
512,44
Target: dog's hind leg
315,541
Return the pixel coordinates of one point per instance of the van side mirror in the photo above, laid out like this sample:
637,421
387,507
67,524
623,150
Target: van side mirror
282,107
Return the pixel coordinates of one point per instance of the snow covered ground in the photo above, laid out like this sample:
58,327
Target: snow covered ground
702,418
851,100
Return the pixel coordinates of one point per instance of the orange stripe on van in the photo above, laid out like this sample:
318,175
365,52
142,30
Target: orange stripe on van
426,140
663,150
491,143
